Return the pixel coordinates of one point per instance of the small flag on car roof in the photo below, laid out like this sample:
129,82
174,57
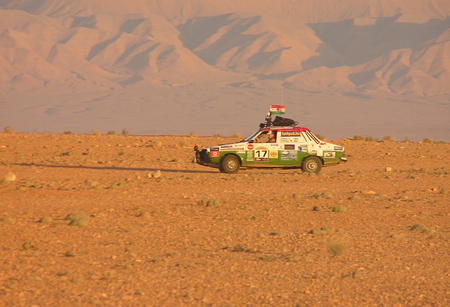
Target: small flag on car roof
277,109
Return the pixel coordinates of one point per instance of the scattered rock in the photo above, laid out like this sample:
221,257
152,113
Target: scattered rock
10,177
388,169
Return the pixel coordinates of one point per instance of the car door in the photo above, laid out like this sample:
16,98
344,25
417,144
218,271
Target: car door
262,154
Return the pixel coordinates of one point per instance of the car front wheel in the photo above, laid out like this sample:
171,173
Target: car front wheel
312,165
229,164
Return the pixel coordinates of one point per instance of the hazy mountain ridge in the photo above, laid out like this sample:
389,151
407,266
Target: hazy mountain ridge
186,58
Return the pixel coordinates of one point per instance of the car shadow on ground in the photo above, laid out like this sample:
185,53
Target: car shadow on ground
165,170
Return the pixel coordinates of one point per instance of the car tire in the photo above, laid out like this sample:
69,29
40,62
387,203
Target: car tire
312,165
230,164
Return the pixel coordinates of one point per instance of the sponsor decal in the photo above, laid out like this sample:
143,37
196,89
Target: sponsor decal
273,154
291,140
338,148
230,149
289,147
249,155
329,155
289,155
214,148
290,133
215,154
303,148
226,146
250,146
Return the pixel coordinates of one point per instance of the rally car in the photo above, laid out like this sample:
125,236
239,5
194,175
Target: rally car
277,143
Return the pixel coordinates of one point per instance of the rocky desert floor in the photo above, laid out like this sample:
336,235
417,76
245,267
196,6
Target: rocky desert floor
89,220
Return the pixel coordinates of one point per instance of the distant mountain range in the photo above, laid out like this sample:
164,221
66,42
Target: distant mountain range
343,47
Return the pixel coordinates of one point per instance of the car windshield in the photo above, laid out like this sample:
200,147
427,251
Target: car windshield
252,136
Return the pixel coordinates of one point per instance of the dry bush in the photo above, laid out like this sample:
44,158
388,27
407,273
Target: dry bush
388,138
337,248
358,138
427,140
213,203
370,139
193,134
67,132
124,132
236,136
421,228
8,129
95,132
112,132
339,209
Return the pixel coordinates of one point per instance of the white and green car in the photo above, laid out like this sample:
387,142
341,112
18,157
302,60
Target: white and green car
288,147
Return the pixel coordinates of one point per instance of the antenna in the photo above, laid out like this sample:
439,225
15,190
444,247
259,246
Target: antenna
282,102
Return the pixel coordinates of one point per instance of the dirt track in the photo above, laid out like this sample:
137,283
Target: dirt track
155,242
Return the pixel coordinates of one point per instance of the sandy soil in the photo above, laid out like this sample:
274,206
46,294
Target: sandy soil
154,241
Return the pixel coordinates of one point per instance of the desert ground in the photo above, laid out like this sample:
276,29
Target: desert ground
130,221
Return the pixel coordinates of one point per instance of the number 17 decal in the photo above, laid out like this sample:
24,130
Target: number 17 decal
261,155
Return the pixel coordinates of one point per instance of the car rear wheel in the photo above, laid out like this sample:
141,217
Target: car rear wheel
312,165
229,164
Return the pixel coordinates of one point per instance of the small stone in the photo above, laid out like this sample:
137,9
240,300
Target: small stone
388,169
156,174
10,177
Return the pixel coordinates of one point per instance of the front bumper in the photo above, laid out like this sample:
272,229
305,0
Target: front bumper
202,157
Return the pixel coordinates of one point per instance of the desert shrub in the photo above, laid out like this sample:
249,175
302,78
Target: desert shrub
95,132
236,136
358,138
69,254
328,229
241,248
213,203
406,140
354,197
388,138
217,135
144,214
193,134
427,140
7,220
339,209
317,208
46,220
29,245
125,132
67,132
111,132
369,139
78,219
337,248
317,232
8,129
325,195
420,227
296,196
